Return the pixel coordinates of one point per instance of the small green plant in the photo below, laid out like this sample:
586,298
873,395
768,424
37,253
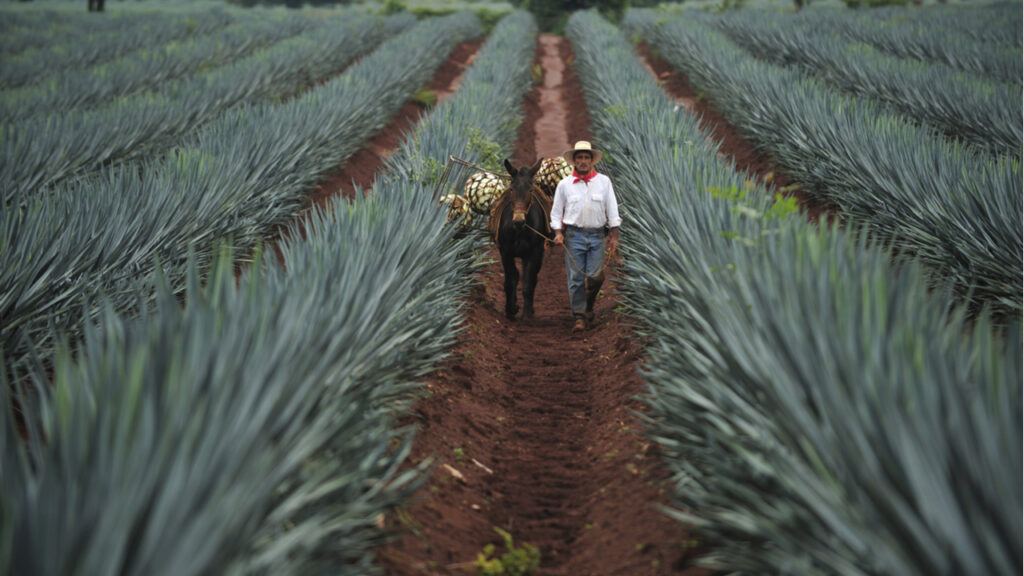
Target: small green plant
488,152
521,561
432,171
459,454
782,208
489,18
425,97
537,73
616,111
732,193
390,7
728,5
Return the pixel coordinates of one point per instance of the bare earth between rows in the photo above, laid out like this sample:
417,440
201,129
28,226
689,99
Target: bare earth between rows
532,427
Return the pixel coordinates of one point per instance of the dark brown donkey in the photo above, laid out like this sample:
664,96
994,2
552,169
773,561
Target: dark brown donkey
519,224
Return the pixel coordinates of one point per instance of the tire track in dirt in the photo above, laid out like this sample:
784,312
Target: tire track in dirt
532,427
732,145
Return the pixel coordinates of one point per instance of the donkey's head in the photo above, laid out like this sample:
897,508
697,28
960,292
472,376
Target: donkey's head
520,189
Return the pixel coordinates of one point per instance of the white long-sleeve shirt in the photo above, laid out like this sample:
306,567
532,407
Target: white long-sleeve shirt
585,204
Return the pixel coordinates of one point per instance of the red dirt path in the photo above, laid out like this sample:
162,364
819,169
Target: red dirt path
536,424
731,143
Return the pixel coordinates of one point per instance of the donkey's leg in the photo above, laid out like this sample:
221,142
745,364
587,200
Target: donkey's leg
508,261
531,271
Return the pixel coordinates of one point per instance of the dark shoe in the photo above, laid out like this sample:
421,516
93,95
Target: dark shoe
580,325
589,317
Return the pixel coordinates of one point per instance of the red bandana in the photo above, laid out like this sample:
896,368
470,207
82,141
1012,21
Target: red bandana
586,178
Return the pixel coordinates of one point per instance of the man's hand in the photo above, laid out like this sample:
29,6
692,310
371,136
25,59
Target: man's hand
613,243
559,238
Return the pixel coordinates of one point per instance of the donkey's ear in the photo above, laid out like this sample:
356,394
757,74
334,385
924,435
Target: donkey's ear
535,167
511,169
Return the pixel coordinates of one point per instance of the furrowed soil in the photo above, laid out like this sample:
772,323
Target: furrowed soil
732,144
532,429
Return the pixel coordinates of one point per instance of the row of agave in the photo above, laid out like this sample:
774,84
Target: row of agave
942,202
35,66
984,113
242,174
940,39
23,30
39,153
822,411
997,23
253,430
152,67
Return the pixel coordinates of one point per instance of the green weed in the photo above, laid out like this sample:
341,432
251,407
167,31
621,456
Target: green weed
521,561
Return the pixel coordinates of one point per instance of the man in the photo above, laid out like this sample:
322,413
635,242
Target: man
585,214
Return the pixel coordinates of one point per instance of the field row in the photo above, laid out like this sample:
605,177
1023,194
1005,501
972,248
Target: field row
191,402
40,153
247,171
822,409
940,201
285,422
982,41
984,113
148,69
36,65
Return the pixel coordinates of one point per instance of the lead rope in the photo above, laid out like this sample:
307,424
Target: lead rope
572,262
546,237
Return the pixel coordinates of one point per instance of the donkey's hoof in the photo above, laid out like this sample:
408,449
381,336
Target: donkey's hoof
510,313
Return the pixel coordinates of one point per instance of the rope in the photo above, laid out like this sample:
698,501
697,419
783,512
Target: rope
495,221
587,279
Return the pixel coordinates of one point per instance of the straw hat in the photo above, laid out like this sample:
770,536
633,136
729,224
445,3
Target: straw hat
582,146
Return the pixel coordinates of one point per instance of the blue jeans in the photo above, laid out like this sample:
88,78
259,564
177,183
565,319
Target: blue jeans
584,254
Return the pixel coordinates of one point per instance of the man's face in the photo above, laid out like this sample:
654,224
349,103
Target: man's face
583,162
